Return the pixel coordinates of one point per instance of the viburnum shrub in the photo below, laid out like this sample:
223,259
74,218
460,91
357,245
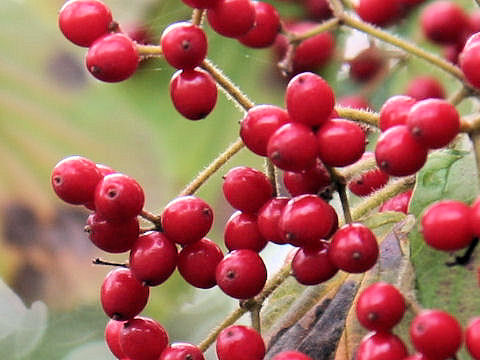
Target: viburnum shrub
379,208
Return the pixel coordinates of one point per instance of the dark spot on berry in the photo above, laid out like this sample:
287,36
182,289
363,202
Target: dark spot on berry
372,316
230,333
57,180
95,70
276,155
186,45
188,357
87,229
207,212
231,274
356,255
420,328
289,237
301,80
113,27
416,131
118,317
384,164
112,193
359,181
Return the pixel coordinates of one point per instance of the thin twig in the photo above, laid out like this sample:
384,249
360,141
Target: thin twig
197,16
98,261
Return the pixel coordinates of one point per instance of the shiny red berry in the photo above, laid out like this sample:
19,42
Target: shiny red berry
268,217
238,342
398,153
122,295
312,265
378,12
118,197
182,351
366,64
472,337
232,18
197,263
153,258
443,22
395,111
113,237
201,4
309,181
305,220
112,337
241,274
247,189
293,147
470,64
74,180
436,334
314,52
142,338
184,45
194,93
354,101
84,21
425,87
265,28
241,232
309,99
475,217
381,346
397,203
433,122
354,248
187,219
318,9
366,183
380,307
446,225
259,124
340,142
112,58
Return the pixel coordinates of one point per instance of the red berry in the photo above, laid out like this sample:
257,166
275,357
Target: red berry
293,147
417,356
84,21
395,111
472,40
381,346
201,4
142,338
241,274
265,28
436,334
309,181
112,337
232,18
447,225
247,189
398,153
241,232
112,58
305,220
194,93
433,122
259,124
318,9
472,337
365,65
312,266
313,52
309,99
397,203
354,248
118,197
197,263
443,22
378,12
291,355
469,63
182,351
354,101
187,219
184,45
340,142
122,295
268,217
425,87
74,180
238,342
380,307
368,182
153,258
116,237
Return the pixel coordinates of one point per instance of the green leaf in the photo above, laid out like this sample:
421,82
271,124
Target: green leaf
448,174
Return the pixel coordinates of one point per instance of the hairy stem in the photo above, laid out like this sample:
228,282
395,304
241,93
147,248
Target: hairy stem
364,116
230,88
324,26
405,45
272,175
149,50
98,261
197,16
155,219
255,318
212,168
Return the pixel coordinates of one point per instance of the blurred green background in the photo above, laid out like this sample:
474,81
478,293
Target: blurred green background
51,108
